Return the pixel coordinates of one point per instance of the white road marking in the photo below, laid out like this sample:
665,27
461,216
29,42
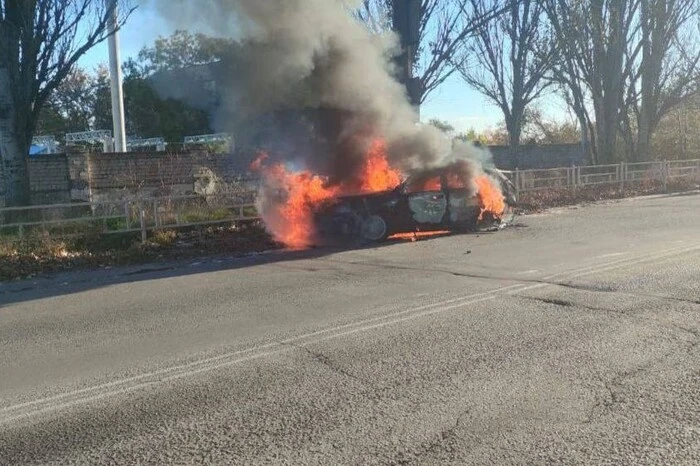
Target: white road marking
128,384
614,254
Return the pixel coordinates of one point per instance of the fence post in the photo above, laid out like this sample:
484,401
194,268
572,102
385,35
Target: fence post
127,215
156,220
570,178
575,178
578,176
517,183
621,178
664,174
142,220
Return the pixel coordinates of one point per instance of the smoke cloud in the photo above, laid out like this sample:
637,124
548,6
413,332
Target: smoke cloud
326,79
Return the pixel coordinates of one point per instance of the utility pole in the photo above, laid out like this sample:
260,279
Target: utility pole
115,78
406,23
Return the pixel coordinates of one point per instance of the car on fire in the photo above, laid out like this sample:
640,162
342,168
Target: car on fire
434,200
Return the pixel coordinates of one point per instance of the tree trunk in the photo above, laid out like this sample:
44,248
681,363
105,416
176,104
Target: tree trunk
585,142
514,127
654,21
14,148
406,23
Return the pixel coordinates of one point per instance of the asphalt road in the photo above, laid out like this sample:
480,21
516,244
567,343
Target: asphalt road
571,338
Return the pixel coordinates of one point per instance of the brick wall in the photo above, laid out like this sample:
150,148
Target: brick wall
2,189
49,179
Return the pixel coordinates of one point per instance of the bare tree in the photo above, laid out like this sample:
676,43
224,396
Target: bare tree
431,34
542,130
501,60
624,65
667,71
376,14
40,42
593,38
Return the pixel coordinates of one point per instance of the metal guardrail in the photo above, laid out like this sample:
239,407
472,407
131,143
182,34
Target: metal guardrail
148,214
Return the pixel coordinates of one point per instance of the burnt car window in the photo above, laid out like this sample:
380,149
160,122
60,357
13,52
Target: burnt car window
421,184
455,181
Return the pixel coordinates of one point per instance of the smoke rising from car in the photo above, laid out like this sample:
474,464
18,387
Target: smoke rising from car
312,60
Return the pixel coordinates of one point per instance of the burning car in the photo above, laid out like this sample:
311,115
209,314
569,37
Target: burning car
447,198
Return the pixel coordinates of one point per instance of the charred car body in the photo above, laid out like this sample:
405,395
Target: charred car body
434,200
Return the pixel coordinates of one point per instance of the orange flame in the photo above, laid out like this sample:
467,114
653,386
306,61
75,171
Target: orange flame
490,197
416,235
377,174
291,221
290,198
289,216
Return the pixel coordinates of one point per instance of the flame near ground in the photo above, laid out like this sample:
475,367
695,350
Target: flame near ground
288,198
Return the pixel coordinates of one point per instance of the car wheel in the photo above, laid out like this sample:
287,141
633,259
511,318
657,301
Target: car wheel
373,228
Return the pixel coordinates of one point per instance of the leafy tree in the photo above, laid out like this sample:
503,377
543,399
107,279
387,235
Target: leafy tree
148,112
472,136
40,42
70,106
180,50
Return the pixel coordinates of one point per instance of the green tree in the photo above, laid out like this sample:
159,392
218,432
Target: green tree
472,135
180,50
148,112
70,106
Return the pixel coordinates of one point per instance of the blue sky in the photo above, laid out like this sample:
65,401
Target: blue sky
453,101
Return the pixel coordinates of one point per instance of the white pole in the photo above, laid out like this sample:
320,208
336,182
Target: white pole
115,74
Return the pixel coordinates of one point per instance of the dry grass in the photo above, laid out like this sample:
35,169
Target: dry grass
40,254
535,201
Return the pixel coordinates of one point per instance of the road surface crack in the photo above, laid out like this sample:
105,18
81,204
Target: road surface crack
608,289
326,361
571,304
613,387
432,446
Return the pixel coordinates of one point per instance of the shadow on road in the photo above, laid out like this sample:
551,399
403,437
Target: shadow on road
66,283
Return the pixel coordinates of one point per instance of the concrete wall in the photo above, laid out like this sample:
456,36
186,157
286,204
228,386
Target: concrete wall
119,176
62,178
536,156
98,177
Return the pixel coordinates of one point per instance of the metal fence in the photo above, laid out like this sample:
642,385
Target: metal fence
621,175
147,214
127,216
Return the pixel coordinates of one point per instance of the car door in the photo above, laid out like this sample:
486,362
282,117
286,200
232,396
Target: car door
463,207
427,201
